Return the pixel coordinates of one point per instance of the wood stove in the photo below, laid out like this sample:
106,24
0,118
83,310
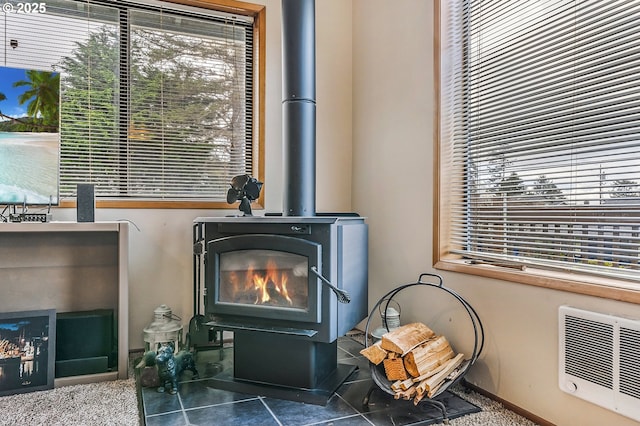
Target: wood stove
263,280
279,281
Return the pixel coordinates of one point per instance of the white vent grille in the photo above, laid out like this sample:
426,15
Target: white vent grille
630,362
600,359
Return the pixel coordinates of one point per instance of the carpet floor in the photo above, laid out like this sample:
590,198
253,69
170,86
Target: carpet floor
95,404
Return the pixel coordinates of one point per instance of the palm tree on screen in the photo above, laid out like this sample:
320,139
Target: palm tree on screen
43,97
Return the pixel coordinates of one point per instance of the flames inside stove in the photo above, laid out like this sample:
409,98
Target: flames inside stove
264,277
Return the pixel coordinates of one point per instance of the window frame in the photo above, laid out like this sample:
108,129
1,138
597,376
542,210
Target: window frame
572,282
258,12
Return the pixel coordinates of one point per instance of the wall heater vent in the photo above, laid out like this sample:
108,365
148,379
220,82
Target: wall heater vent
600,359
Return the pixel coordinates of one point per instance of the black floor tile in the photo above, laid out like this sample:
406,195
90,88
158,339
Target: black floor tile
245,413
199,402
294,413
357,420
362,373
354,392
170,419
157,403
349,346
199,393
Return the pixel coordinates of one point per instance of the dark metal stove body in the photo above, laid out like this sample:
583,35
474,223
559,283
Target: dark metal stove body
259,283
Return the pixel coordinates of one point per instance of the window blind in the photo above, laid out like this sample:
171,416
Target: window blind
156,98
540,133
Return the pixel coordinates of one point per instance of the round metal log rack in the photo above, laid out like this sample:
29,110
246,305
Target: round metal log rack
377,371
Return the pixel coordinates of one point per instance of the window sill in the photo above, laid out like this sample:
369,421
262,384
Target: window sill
607,288
161,204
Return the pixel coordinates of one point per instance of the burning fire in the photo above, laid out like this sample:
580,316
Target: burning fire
268,284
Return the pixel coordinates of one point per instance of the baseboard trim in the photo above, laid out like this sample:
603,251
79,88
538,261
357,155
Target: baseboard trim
518,410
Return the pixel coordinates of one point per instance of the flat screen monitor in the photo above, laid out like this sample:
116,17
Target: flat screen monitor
29,137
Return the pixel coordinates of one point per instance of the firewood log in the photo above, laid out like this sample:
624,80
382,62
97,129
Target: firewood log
421,387
432,382
374,353
407,394
427,356
430,363
428,374
404,338
435,389
397,385
406,384
394,369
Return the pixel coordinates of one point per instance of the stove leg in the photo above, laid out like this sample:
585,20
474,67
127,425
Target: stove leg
283,360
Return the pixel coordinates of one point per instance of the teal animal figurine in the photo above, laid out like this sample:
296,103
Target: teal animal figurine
169,366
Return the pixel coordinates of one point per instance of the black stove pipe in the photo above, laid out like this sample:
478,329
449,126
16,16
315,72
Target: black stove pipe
299,107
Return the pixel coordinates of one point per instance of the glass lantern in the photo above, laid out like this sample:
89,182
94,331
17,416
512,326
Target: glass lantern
390,320
165,328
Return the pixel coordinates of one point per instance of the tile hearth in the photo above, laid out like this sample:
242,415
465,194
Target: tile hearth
198,403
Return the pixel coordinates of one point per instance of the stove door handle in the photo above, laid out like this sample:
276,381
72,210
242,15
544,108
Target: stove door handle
343,296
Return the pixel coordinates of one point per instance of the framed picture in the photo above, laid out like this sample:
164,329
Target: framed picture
27,351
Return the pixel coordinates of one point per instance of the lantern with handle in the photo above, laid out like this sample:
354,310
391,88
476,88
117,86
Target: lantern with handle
390,319
165,329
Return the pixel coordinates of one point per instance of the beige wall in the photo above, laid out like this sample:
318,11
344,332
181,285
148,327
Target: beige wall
393,102
375,149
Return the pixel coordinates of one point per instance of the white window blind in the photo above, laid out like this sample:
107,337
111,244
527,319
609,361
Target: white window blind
540,133
156,98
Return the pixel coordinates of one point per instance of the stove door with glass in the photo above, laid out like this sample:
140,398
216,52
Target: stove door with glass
265,277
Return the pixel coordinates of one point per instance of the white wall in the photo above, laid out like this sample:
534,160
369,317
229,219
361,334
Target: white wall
393,103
